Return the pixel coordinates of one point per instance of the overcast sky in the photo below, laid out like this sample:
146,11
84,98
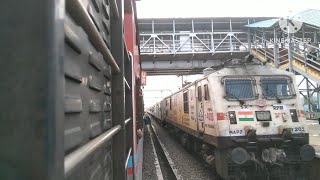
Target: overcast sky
159,87
222,8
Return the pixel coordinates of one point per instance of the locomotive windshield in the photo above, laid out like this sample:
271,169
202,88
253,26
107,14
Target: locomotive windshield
239,89
277,88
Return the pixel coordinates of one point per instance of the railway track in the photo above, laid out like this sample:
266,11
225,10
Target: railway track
185,165
168,170
314,170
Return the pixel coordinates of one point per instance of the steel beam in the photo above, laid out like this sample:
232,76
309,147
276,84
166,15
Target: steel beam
118,96
183,33
290,52
275,49
230,37
264,43
249,41
179,67
128,66
32,89
308,96
318,97
174,36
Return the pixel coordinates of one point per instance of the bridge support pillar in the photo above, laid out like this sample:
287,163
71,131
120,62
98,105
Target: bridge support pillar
249,41
290,51
275,49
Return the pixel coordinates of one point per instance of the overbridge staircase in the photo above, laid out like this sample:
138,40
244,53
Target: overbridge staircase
300,62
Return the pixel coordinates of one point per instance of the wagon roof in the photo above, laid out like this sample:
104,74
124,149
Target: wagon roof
250,70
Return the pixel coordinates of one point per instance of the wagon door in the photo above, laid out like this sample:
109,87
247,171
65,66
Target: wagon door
200,106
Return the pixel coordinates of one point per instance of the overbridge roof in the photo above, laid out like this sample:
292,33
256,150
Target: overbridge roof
310,17
263,24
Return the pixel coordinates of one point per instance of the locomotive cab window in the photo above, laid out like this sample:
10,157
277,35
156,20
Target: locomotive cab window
206,92
277,87
185,102
239,89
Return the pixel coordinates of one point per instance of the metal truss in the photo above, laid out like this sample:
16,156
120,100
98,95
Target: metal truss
193,41
309,93
183,43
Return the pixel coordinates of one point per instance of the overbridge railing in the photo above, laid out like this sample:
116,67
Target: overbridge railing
307,54
199,42
305,59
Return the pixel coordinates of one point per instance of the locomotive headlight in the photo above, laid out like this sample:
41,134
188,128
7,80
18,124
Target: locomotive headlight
239,155
307,152
273,155
269,155
294,116
232,117
263,115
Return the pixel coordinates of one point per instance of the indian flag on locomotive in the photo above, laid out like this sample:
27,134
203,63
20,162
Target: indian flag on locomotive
246,116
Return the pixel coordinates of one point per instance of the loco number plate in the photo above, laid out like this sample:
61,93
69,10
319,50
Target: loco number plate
297,129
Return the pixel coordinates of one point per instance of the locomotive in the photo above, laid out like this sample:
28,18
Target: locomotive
245,119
